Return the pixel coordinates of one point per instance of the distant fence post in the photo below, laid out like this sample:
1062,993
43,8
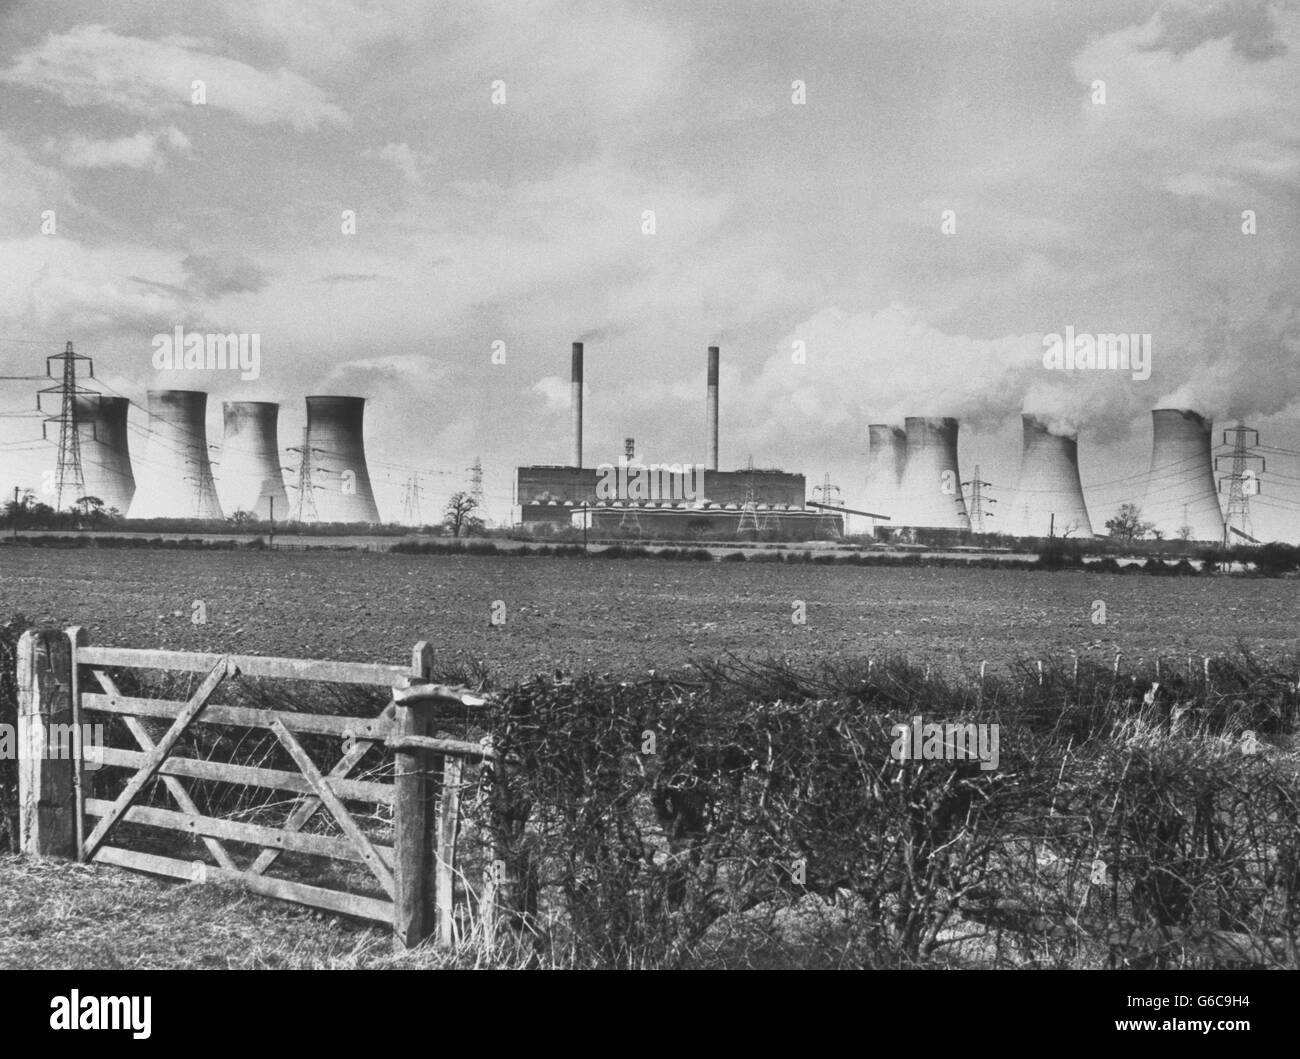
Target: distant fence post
46,804
411,824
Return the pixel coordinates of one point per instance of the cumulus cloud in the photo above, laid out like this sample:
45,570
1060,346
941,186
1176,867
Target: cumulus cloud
144,150
94,66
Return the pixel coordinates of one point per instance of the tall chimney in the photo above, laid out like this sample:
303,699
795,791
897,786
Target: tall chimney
575,457
713,409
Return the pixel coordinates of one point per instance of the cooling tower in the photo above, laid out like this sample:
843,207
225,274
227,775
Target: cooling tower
176,477
575,403
1180,485
249,477
338,460
931,485
105,453
1049,499
712,409
886,456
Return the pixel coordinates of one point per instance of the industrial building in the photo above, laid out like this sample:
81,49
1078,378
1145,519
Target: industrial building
177,475
1049,499
1181,499
763,500
105,449
340,477
249,477
929,491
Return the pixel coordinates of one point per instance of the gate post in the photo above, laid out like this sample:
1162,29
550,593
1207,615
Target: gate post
46,804
411,818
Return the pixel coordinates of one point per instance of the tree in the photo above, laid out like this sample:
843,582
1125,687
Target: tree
1127,525
241,518
91,510
459,514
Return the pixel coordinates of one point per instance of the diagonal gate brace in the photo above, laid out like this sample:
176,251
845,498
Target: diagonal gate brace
326,794
173,785
154,761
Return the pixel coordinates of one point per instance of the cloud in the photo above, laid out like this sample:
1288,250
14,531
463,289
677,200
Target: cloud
1248,25
141,151
214,277
94,66
407,161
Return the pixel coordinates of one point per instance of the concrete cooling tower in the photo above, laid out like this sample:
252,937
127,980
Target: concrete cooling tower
249,477
105,453
338,459
1050,496
886,455
1180,485
931,484
176,477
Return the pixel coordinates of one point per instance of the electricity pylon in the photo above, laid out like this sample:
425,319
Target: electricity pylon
1243,482
69,477
977,501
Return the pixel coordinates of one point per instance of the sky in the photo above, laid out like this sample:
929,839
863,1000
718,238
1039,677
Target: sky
875,210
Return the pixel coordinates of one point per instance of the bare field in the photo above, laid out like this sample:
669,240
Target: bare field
628,616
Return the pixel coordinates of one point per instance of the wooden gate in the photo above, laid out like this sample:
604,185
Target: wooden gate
60,816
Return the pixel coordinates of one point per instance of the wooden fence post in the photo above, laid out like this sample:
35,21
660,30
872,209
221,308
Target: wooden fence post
411,824
46,805
77,637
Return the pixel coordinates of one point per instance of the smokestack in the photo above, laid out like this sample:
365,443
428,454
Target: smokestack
250,477
713,409
105,453
575,456
1049,485
931,484
176,467
1180,485
338,460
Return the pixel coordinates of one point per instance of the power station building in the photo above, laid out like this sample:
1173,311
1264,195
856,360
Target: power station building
553,496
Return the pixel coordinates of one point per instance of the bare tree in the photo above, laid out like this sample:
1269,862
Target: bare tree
1127,525
459,514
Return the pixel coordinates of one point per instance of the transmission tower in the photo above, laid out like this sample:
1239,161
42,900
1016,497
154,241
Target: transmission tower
411,502
69,478
749,509
476,487
306,489
977,501
831,497
1243,482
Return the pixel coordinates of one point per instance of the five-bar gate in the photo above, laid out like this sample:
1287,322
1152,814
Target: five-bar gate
63,680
